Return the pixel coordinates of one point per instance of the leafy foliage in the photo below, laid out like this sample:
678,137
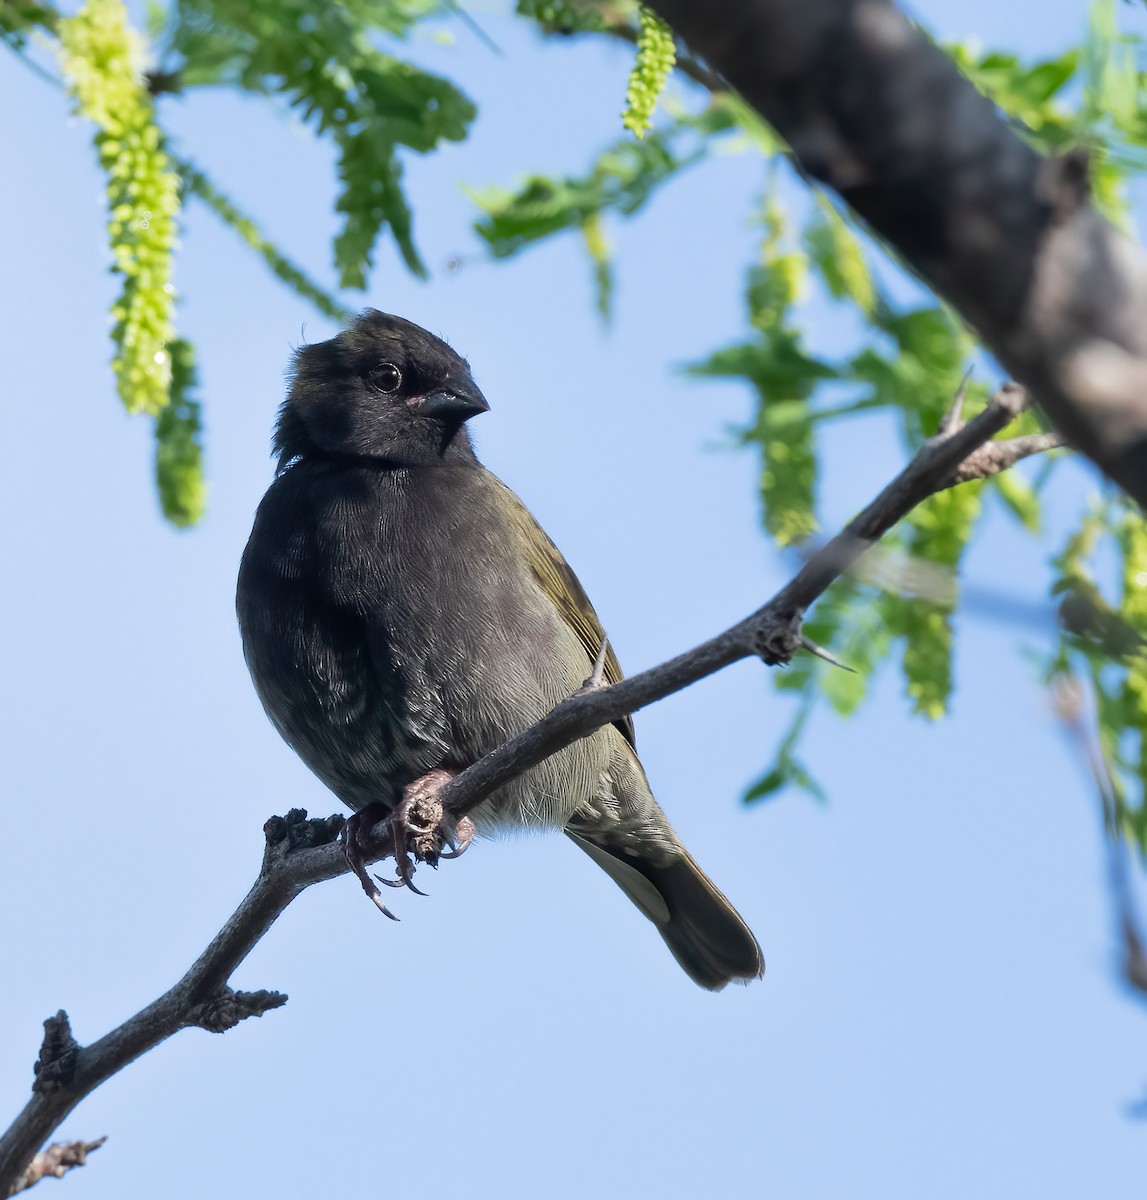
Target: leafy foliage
338,68
1102,576
178,443
907,364
196,183
16,19
787,769
622,179
321,61
937,533
563,16
783,376
837,254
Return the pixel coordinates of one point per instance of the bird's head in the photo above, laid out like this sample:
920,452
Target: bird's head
385,389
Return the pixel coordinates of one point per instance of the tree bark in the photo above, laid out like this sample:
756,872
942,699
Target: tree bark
871,108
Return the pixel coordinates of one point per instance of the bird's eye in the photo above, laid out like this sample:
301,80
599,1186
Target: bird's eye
385,378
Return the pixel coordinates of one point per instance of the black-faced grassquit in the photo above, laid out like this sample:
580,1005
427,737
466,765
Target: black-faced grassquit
403,614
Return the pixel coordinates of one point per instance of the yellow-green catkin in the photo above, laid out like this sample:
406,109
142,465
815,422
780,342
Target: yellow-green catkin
102,58
1133,536
656,55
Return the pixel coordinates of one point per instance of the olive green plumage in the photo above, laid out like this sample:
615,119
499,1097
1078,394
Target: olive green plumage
402,611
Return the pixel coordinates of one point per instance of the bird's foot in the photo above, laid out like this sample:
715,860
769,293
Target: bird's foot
423,829
418,830
361,846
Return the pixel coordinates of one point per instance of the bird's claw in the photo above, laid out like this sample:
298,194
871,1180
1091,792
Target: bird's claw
417,831
459,841
359,848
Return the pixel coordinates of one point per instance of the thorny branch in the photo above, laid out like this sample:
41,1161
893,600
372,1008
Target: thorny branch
300,852
772,632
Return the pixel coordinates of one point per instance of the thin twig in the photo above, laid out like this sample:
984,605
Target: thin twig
67,1072
300,852
57,1160
772,632
993,457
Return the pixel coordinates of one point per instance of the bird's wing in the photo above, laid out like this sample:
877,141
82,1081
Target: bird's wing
567,595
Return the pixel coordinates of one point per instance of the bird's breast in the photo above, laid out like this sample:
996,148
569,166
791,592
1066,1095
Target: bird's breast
392,626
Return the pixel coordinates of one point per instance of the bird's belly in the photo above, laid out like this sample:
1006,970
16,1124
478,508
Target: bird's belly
366,735
377,669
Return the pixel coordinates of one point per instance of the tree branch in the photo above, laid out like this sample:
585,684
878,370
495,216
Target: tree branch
874,110
300,852
993,457
57,1160
67,1072
772,632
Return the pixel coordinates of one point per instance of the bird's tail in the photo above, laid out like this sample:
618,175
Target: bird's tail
705,933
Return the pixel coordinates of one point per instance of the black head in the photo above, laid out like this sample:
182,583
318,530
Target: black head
385,389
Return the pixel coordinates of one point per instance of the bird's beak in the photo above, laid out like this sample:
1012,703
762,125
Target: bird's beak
458,402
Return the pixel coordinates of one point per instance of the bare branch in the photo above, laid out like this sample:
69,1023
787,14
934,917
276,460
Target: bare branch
57,1160
874,110
993,457
67,1072
300,852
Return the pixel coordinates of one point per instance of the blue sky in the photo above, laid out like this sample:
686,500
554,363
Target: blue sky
940,1015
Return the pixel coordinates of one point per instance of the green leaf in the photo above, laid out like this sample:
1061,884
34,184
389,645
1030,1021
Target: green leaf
1020,498
787,769
1029,93
16,19
769,783
783,376
622,179
788,470
937,532
921,372
836,253
371,198
196,183
760,135
321,60
597,245
178,444
556,16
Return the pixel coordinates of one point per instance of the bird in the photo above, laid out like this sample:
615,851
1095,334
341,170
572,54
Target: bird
403,614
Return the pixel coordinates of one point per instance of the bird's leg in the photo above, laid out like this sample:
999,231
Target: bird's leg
360,847
597,675
421,826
